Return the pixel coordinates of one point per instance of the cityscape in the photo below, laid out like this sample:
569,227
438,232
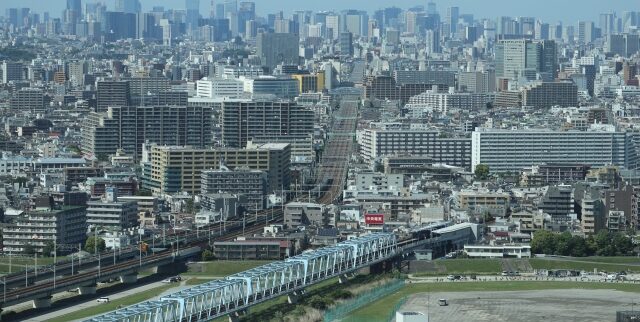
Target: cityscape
411,161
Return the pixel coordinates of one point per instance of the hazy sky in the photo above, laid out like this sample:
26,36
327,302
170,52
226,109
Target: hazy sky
569,11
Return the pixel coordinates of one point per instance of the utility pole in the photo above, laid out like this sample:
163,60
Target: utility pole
55,260
140,247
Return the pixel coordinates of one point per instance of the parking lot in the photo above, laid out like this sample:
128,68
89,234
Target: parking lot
526,306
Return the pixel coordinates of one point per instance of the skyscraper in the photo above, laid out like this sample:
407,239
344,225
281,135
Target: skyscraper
75,5
247,12
431,8
128,6
346,44
521,57
453,14
193,13
433,41
586,32
274,49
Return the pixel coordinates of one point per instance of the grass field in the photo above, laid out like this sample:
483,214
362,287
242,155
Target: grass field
494,266
612,260
113,305
581,265
465,266
382,307
222,268
257,312
197,281
17,264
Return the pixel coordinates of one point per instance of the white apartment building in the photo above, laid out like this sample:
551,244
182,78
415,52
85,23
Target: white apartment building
220,87
443,102
376,143
513,150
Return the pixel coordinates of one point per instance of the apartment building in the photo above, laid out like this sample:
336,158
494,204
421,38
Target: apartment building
43,225
173,169
378,142
112,214
243,120
242,181
513,150
128,127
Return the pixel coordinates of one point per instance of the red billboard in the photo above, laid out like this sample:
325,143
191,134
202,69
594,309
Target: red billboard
374,219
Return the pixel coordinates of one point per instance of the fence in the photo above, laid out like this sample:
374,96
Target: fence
347,307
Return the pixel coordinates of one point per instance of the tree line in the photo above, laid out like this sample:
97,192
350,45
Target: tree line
604,243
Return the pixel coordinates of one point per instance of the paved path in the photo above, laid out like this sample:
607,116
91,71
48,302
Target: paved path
92,303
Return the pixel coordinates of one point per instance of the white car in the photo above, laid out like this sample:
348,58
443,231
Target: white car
103,300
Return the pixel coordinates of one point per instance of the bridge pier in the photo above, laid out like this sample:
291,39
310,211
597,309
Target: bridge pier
129,279
170,269
235,316
293,297
343,278
42,302
85,290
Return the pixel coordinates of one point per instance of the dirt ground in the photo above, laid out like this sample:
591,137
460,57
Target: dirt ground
525,306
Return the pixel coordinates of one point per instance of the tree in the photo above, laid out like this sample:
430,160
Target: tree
544,242
48,249
207,255
563,244
622,244
102,157
482,172
90,245
29,249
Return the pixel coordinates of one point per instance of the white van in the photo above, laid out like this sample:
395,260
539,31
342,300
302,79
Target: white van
103,300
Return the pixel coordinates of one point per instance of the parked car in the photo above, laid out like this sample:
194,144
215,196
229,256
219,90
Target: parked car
443,302
103,300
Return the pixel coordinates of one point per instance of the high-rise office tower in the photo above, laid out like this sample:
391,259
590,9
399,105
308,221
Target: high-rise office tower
120,25
230,7
193,13
274,49
128,6
629,19
607,22
11,71
453,14
246,12
542,30
527,25
523,57
219,11
433,41
333,26
411,21
76,6
355,22
586,32
346,44
431,8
